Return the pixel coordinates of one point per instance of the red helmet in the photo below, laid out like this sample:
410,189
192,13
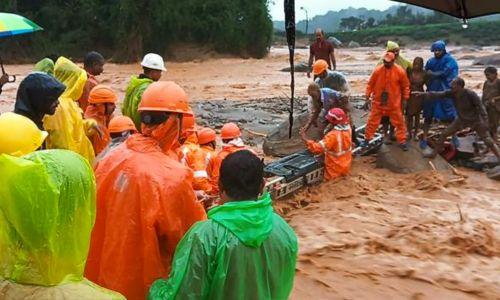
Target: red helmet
337,116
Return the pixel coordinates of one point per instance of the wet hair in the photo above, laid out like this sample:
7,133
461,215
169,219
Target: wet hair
92,58
460,81
319,30
241,175
418,58
490,70
313,87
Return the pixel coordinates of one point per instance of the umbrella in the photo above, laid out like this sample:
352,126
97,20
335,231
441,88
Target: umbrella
463,9
12,24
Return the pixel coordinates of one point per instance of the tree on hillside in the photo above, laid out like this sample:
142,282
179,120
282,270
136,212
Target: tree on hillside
351,23
127,29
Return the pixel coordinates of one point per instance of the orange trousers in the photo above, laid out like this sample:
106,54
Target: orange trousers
397,120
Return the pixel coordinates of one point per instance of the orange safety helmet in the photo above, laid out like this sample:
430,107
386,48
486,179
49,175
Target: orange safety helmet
102,94
230,131
337,116
165,96
320,66
206,135
120,124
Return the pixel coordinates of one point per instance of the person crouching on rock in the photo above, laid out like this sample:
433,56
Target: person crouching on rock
336,145
471,113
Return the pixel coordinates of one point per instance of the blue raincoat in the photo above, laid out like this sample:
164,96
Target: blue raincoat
444,70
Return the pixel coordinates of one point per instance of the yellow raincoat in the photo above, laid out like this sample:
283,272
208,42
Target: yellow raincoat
47,211
67,129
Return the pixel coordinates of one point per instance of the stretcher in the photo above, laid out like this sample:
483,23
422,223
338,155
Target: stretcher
289,174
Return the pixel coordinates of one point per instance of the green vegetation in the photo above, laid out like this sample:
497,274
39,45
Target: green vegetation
126,29
478,33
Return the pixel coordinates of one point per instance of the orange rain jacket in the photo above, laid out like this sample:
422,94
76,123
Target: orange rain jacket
96,112
336,146
195,158
231,147
395,82
145,204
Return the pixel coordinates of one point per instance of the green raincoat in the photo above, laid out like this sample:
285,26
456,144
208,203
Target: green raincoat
46,65
133,96
47,211
244,251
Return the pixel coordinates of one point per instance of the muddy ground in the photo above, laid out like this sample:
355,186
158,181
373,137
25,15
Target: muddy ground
374,234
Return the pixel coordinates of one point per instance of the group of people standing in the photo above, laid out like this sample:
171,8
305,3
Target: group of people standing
97,206
396,96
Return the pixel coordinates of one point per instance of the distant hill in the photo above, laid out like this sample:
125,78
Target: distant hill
331,20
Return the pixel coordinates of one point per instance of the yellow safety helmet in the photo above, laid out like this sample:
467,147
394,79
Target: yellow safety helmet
19,135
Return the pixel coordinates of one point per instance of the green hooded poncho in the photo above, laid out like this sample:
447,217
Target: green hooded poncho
244,251
46,65
47,211
133,96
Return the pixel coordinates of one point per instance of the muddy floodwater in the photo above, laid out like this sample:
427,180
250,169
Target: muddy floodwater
374,234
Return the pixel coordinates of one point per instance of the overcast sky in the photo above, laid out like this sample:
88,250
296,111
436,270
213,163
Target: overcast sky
320,7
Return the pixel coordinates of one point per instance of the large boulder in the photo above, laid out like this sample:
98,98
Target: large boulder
393,158
335,42
277,142
300,67
490,60
353,44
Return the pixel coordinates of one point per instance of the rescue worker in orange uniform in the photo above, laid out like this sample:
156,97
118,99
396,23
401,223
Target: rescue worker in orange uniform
188,138
207,140
388,89
101,105
336,145
231,142
120,128
193,157
145,199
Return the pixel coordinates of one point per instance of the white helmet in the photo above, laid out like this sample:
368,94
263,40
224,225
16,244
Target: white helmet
153,61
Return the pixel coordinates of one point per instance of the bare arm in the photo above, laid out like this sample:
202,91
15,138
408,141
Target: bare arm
479,106
332,58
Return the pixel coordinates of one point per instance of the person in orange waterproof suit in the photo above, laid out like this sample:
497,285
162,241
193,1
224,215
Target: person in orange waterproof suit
336,145
145,199
101,105
193,157
389,89
231,142
207,140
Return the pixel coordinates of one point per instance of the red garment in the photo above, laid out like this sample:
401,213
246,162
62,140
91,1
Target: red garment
96,112
226,150
321,50
395,82
83,102
336,145
145,204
